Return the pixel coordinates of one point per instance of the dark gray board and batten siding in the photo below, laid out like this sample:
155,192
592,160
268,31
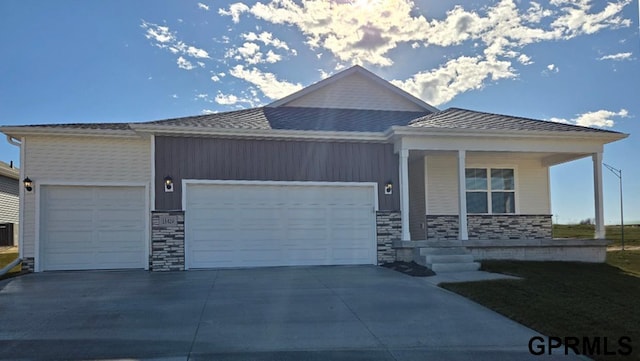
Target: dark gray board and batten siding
272,160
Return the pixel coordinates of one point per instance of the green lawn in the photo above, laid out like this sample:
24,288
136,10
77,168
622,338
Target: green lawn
5,259
567,299
631,233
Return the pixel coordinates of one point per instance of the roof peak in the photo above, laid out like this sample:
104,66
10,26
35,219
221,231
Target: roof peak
367,74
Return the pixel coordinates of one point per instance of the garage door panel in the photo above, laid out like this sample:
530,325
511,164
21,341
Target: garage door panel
236,225
92,227
120,218
121,238
59,240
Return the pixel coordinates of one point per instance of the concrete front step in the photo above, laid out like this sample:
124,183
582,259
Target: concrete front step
446,259
454,267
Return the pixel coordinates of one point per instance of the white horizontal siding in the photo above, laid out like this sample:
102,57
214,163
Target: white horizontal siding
442,184
9,200
532,184
355,92
60,159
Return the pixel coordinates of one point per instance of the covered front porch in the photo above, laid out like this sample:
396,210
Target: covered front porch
490,196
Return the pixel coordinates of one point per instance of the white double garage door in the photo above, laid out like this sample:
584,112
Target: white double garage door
227,224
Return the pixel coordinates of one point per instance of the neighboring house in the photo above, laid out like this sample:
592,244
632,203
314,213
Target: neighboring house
9,204
350,170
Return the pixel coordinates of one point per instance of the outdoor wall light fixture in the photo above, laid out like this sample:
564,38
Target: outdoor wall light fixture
388,188
28,184
168,184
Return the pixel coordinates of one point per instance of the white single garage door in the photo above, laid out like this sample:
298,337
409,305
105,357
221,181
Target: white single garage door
279,224
92,227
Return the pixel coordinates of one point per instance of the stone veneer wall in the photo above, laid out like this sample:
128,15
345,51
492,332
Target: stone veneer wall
28,264
510,226
167,241
442,227
388,229
491,226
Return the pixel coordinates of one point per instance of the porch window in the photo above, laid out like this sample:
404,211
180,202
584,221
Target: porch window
490,189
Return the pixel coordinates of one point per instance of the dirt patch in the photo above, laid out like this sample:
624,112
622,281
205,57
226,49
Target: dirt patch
410,268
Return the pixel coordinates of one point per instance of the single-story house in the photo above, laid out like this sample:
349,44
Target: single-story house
9,204
350,170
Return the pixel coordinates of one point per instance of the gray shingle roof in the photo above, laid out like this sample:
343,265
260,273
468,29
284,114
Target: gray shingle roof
104,126
352,120
342,120
456,118
253,118
298,118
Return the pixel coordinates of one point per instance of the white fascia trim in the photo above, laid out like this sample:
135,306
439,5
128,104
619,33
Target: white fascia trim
263,133
21,192
483,133
39,184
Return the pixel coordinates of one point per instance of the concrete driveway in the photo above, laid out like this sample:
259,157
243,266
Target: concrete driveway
297,313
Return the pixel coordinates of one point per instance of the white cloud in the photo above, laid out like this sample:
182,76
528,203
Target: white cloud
599,118
226,99
174,96
525,59
196,53
165,39
266,38
267,83
234,11
619,56
208,111
215,78
366,32
457,76
184,64
551,68
577,20
203,6
160,34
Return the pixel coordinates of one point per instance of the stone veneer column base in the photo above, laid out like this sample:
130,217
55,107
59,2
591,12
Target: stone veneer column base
388,229
28,264
442,227
167,241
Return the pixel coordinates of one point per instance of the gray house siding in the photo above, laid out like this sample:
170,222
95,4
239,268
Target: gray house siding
416,200
274,160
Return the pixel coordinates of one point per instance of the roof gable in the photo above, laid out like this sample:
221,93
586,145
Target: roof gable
355,88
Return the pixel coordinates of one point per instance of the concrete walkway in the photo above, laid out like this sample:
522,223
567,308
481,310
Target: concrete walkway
471,276
294,313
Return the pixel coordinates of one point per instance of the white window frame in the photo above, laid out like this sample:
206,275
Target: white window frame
516,201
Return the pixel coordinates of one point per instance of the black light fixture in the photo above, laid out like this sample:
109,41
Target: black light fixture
388,188
168,184
28,184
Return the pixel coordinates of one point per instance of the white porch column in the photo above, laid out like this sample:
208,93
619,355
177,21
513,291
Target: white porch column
597,190
463,233
404,193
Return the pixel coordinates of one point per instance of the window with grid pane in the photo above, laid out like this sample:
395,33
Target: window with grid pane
490,190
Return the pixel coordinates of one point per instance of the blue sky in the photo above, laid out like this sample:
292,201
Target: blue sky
122,61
